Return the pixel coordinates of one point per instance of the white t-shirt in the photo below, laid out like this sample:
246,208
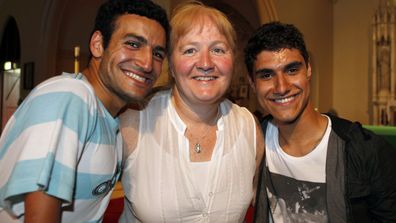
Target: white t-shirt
296,186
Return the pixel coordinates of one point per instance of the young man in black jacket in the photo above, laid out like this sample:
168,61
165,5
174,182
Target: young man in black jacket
318,168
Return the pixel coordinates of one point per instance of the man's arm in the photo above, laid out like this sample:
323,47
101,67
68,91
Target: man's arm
383,181
41,207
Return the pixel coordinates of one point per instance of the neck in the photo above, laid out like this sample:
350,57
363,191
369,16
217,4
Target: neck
300,137
112,102
201,125
195,114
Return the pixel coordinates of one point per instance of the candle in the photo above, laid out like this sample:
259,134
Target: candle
76,56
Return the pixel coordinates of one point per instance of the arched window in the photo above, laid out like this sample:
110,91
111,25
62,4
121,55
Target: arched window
10,70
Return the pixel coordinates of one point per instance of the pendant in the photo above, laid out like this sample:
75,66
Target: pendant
197,148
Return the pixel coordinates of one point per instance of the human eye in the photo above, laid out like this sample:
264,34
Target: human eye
293,69
133,44
264,74
159,54
189,51
218,50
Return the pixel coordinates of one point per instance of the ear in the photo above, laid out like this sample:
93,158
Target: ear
309,71
96,44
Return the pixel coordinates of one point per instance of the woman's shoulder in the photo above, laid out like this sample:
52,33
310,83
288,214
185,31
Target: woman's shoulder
231,108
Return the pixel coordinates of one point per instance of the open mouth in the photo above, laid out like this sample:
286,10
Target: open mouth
137,77
284,100
204,78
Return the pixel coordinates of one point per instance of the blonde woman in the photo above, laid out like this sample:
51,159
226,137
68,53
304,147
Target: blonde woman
191,154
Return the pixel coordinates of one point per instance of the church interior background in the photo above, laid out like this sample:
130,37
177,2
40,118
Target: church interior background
351,44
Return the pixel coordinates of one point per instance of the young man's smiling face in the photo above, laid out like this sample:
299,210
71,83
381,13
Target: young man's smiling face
133,59
282,82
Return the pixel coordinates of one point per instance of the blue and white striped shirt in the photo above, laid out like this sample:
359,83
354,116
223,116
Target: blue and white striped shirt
61,140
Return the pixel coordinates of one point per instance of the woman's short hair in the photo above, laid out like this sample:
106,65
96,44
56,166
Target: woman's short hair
186,15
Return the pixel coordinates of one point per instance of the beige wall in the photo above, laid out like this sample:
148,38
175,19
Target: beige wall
337,34
352,43
314,19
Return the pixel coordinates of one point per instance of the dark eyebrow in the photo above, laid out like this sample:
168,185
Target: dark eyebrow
160,48
139,38
264,70
296,64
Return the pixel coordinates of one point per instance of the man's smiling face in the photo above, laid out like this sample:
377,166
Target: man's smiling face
282,82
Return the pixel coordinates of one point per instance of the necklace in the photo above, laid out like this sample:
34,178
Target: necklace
197,146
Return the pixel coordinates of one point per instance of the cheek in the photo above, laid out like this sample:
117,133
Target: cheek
182,66
105,66
261,97
157,67
307,88
262,87
115,58
302,83
261,94
225,65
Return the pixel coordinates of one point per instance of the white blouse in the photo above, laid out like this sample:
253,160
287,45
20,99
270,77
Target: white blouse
158,180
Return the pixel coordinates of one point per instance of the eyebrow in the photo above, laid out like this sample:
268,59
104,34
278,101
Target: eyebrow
160,48
293,65
264,70
140,38
286,67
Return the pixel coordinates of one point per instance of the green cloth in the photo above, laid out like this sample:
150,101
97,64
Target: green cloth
388,132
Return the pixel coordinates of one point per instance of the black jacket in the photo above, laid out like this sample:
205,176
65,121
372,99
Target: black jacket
360,178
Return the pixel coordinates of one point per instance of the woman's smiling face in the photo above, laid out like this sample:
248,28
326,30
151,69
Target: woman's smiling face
202,64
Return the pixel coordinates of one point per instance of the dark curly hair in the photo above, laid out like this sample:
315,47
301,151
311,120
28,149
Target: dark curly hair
110,10
274,36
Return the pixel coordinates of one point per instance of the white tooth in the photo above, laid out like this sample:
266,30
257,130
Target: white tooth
136,77
284,100
204,78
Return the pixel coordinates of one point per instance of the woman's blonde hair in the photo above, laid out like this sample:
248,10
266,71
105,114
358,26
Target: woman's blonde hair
186,15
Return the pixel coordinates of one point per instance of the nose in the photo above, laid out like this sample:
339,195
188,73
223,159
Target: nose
281,84
205,63
144,59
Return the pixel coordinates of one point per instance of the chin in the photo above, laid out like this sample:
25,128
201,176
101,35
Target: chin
284,120
211,99
134,98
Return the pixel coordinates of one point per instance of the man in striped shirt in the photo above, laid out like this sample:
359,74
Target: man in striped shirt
58,154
